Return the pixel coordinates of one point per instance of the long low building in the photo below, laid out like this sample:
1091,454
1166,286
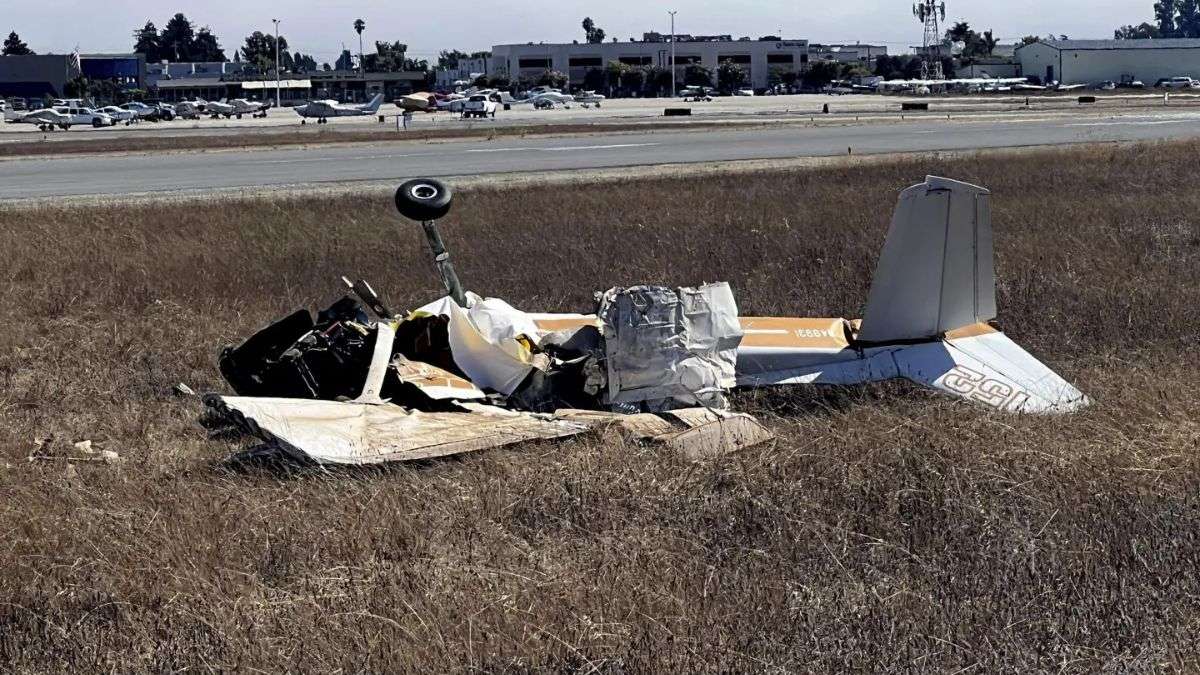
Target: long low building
526,62
1089,61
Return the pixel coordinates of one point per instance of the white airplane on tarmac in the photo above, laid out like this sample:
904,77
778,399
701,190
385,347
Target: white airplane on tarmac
323,110
236,108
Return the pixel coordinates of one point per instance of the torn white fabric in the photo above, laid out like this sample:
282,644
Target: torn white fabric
483,341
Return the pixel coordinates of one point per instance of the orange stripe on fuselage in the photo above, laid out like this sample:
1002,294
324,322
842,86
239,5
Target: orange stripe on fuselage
974,330
761,331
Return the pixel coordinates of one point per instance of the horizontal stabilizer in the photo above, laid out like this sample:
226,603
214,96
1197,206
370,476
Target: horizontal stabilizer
989,368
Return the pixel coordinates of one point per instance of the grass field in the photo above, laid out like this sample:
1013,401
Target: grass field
887,529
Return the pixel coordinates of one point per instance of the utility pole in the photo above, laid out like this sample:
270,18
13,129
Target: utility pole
276,21
672,13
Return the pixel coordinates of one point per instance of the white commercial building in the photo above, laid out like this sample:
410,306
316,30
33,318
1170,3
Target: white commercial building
855,53
757,57
1089,61
466,72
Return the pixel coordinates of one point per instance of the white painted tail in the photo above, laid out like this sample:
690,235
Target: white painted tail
936,271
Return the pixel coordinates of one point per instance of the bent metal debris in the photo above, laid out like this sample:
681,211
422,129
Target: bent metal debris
361,384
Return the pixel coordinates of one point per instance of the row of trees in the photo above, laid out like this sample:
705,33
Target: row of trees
1172,19
179,40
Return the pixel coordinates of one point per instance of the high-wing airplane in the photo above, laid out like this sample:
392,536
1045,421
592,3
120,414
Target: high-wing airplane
46,119
323,110
653,359
236,108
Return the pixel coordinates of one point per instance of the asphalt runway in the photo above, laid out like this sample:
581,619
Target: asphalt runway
117,175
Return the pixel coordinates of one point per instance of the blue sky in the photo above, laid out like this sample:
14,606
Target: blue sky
322,28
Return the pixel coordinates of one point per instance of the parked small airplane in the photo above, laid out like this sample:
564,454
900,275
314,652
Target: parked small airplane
236,108
190,110
46,119
323,110
543,95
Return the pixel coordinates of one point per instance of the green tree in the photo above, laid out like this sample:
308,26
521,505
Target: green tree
1030,39
1142,31
730,76
359,27
389,57
206,48
1164,15
594,79
821,73
450,58
260,50
615,71
696,75
552,78
1188,21
591,33
146,42
13,46
178,38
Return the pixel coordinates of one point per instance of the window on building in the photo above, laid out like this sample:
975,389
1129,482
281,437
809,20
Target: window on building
585,62
681,60
635,60
781,58
534,63
804,58
740,59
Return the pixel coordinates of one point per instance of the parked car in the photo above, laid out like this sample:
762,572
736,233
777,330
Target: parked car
1176,83
479,105
84,116
119,114
140,109
1107,85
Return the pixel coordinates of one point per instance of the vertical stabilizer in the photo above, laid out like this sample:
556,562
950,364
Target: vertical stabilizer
936,271
373,106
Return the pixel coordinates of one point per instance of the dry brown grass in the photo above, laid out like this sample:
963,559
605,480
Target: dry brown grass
889,529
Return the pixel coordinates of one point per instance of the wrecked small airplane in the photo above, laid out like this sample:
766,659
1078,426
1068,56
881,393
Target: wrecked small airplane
465,373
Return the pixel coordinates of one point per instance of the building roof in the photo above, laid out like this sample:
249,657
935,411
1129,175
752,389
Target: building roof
190,82
283,84
1164,43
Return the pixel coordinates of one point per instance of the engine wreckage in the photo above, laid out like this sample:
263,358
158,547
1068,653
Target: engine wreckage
360,384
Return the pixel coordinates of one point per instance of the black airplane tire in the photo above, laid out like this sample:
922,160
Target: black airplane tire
423,199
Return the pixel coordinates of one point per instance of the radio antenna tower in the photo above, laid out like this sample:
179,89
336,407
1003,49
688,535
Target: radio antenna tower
929,12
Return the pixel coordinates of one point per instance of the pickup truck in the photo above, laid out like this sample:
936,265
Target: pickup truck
85,116
479,106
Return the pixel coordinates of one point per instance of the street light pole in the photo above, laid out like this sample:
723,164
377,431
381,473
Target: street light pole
276,62
672,13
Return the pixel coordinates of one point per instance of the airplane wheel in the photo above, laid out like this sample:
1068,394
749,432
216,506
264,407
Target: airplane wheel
423,199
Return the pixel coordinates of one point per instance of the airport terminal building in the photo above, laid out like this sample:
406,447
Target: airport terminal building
758,57
1091,61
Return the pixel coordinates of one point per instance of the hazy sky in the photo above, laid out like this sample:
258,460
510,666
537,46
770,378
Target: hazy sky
322,28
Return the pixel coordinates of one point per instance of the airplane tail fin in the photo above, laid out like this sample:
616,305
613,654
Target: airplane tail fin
373,106
936,271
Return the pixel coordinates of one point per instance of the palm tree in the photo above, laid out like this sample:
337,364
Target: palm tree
359,27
